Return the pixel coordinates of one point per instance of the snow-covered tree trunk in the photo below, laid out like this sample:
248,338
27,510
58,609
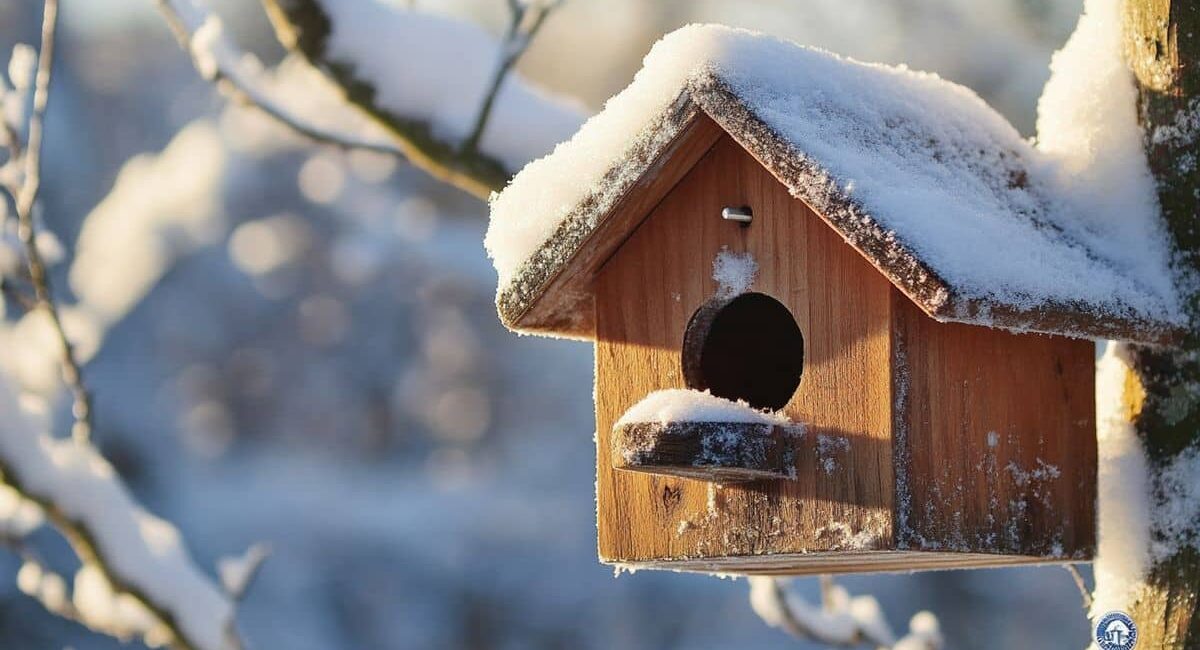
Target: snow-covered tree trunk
1162,396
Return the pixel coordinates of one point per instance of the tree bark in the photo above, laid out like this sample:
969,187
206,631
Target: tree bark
1162,46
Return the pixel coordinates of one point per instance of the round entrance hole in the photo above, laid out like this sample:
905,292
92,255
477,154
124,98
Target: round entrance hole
746,348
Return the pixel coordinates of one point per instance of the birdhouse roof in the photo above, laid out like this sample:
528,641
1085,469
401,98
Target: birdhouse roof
937,190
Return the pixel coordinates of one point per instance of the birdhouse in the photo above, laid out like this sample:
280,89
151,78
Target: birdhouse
842,316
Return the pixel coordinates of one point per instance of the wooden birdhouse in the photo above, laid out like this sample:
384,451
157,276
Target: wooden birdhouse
842,316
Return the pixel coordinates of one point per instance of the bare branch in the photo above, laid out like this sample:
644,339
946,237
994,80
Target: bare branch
238,573
826,581
26,200
1084,593
841,621
521,33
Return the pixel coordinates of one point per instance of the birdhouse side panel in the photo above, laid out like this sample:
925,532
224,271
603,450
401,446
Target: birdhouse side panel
996,439
683,257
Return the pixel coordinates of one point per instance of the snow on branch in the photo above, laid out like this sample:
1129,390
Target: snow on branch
444,89
136,578
20,178
840,621
242,78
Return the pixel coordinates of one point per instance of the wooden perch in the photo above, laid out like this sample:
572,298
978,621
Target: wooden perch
722,452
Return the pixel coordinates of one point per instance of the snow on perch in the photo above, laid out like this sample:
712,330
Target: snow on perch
698,435
935,188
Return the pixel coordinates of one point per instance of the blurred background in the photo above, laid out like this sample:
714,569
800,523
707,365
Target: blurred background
299,347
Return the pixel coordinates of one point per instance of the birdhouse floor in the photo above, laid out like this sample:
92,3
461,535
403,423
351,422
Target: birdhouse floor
799,564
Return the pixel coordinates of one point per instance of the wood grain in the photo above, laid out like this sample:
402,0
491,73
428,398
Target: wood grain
929,445
997,440
645,295
563,304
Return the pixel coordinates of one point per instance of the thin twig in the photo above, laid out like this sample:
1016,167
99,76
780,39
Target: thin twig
516,42
826,581
799,629
25,201
1083,590
239,89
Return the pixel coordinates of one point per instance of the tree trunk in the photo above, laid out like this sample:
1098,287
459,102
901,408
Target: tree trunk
1162,46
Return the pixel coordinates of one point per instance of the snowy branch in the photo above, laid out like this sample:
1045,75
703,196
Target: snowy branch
24,190
524,22
240,76
841,621
136,577
443,89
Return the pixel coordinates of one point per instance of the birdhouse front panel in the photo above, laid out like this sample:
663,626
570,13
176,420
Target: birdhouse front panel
646,296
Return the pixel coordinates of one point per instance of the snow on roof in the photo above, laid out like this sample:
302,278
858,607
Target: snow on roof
942,194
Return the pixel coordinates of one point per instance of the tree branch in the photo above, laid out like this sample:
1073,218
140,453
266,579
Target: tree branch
135,557
464,160
228,71
138,556
1079,583
841,621
26,200
1162,396
516,42
303,27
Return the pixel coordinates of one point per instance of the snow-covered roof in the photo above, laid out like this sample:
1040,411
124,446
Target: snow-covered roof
919,174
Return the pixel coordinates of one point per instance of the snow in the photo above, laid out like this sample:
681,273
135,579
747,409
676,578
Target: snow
145,552
18,516
160,207
211,51
928,171
924,633
237,572
682,405
13,101
1177,510
21,66
1088,129
436,70
829,449
1123,526
1042,473
734,272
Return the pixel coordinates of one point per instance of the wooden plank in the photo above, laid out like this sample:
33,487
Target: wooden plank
998,441
722,452
646,294
815,563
